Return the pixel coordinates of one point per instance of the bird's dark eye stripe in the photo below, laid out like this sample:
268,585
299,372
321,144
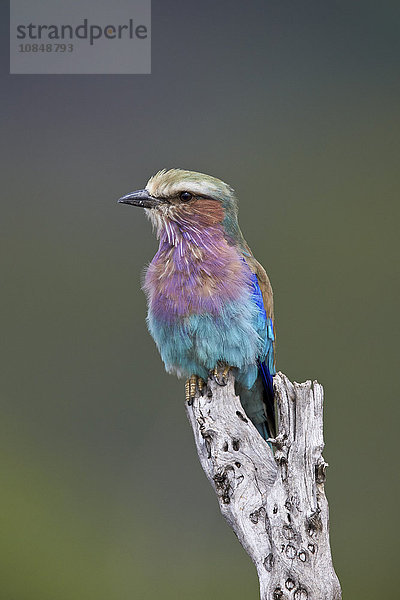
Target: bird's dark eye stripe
171,198
205,197
197,196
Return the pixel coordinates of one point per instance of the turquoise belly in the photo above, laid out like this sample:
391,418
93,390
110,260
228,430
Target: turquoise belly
194,344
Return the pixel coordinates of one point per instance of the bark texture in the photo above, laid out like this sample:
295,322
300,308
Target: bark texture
274,501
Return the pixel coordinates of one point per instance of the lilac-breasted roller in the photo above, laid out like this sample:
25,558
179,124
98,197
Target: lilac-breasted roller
210,304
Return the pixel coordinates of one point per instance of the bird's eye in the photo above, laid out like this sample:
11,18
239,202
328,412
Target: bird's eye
185,196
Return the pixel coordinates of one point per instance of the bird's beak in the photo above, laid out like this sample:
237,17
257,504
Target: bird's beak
141,198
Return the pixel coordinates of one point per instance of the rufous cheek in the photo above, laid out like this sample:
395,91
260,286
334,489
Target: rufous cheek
206,212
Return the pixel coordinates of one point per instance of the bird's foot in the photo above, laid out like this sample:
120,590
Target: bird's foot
220,373
193,384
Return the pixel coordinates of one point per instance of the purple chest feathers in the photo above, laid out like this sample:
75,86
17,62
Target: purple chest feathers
194,274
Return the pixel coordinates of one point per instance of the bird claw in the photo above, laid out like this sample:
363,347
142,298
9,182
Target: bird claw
220,373
193,384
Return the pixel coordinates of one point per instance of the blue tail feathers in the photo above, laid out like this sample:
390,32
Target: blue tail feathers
267,379
258,401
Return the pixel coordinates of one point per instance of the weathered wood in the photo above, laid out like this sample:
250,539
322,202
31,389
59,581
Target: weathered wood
274,501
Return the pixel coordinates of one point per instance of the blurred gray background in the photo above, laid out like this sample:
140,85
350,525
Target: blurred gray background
296,105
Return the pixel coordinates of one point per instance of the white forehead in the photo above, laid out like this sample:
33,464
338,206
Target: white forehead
172,182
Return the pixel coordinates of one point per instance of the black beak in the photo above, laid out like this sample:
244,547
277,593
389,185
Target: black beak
140,198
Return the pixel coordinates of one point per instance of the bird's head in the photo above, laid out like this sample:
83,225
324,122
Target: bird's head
188,201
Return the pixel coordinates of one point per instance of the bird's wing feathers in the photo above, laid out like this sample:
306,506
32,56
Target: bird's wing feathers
263,298
264,284
264,327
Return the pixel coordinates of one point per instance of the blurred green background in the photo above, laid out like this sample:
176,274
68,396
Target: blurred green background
296,105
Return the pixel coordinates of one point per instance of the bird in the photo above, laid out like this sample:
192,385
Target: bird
210,302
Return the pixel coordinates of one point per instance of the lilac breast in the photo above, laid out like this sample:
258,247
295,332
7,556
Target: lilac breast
194,274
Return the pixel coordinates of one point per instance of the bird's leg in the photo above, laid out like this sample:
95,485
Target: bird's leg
193,384
220,373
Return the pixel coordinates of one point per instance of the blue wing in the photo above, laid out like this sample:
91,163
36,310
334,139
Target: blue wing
264,328
266,362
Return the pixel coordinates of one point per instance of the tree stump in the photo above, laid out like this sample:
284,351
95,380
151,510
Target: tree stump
273,500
